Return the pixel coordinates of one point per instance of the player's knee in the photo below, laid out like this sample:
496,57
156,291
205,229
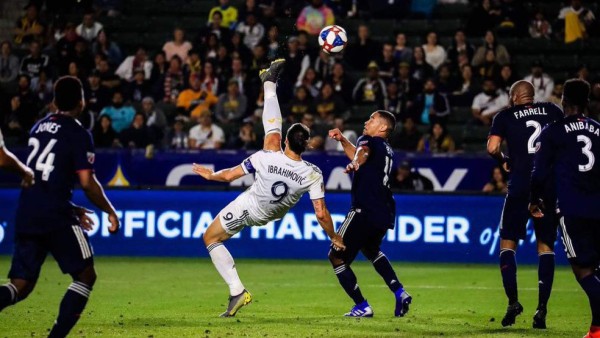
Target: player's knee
24,288
581,272
543,248
370,254
335,261
87,276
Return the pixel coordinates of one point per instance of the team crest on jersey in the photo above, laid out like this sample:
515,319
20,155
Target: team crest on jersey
362,143
91,157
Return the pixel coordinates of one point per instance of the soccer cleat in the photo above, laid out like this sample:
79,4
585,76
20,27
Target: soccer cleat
236,303
512,311
539,319
272,73
360,310
403,300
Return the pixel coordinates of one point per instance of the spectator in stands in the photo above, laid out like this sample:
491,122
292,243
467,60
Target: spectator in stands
133,62
323,65
9,66
583,73
363,51
208,79
420,69
437,141
296,62
211,48
513,20
484,17
498,182
507,78
230,14
460,45
155,118
328,105
402,53
246,138
349,134
387,63
214,26
435,55
252,30
74,70
120,114
43,87
342,86
65,47
239,49
104,45
107,77
35,61
137,135
307,48
370,89
594,106
110,8
489,68
393,102
444,80
272,42
159,67
539,27
104,134
487,103
178,138
542,82
196,99
97,95
173,81
430,106
139,88
556,96
231,107
408,179
310,82
490,43
89,28
317,132
83,58
220,67
465,88
206,135
25,107
408,88
577,21
300,104
29,27
314,17
409,136
250,6
178,46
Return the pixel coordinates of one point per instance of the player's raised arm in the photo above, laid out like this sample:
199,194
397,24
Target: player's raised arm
360,157
349,148
325,221
223,175
94,192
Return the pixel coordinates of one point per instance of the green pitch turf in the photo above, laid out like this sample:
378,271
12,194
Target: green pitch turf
183,298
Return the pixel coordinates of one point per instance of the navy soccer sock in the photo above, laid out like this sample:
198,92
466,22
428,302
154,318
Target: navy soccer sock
71,307
8,295
508,268
545,278
384,269
591,286
347,279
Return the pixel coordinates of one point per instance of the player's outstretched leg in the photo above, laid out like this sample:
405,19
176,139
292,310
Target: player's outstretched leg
73,303
545,281
508,268
272,120
384,268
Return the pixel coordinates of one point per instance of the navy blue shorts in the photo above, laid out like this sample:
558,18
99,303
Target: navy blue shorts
70,247
581,239
359,234
515,216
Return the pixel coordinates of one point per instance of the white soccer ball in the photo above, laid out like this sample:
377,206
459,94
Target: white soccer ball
333,39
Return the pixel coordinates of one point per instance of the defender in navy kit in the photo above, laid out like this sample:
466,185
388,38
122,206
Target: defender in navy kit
61,154
372,212
569,149
520,125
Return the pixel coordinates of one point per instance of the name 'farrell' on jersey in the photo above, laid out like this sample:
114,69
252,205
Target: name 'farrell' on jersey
58,147
371,183
520,126
279,183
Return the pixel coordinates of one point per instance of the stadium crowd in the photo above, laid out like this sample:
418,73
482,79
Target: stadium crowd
202,91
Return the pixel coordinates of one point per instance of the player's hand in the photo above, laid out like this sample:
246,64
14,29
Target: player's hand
335,134
202,171
28,179
338,243
114,223
536,209
84,220
351,167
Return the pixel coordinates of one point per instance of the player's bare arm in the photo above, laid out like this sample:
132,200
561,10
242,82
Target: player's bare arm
349,148
324,219
223,175
272,142
10,162
493,148
360,157
85,221
94,192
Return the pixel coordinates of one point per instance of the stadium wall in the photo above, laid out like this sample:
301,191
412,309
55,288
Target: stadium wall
455,228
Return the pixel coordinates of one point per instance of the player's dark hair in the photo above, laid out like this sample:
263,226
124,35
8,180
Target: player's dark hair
297,137
576,92
67,93
390,120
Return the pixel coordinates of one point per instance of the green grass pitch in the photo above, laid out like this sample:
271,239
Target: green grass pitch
151,297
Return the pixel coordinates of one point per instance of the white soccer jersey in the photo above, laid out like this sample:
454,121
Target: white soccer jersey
279,184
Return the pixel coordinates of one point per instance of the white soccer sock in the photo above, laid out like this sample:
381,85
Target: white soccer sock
224,263
271,116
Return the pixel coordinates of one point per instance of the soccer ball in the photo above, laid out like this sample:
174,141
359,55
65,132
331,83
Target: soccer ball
332,39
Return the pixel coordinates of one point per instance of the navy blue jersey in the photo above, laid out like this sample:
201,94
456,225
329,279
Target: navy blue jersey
569,148
58,147
521,126
371,183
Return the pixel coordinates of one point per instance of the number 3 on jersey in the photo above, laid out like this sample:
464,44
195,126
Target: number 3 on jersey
587,151
45,160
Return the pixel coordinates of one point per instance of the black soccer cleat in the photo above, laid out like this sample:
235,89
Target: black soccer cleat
539,319
512,311
272,73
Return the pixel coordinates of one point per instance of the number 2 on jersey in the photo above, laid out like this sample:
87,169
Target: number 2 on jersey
534,136
587,151
387,170
46,158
